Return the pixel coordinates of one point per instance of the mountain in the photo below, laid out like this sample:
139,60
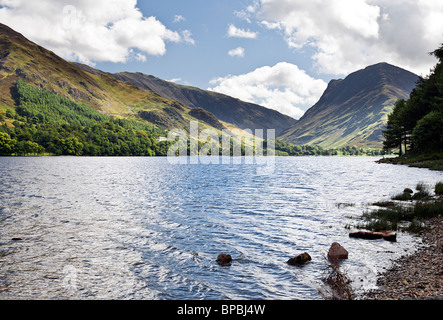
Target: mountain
353,111
242,114
41,68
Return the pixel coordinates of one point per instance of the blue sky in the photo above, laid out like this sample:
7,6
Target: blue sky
208,21
277,53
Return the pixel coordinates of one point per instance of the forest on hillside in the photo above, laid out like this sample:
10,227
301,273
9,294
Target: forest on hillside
46,123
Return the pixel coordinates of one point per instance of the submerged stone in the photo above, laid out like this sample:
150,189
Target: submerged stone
337,252
299,259
224,259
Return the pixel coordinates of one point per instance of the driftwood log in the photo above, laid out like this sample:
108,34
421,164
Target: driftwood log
369,235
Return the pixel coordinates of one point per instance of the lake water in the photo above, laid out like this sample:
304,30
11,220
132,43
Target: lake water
142,228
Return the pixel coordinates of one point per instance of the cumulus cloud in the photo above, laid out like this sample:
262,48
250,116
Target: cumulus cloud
237,52
90,31
234,32
282,87
351,34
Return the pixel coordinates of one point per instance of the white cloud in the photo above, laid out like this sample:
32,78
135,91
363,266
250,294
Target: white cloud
90,31
178,18
187,37
244,15
237,52
282,87
271,25
140,57
234,32
247,12
351,34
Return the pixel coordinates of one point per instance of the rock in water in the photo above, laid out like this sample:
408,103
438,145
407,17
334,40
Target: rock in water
299,259
408,190
337,252
224,259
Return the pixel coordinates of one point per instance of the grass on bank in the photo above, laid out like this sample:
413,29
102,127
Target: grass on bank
432,161
408,213
439,189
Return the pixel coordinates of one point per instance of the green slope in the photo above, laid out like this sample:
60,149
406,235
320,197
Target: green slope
50,103
353,111
41,68
228,109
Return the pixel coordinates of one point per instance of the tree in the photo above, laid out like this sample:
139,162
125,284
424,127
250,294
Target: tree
418,122
428,134
7,145
395,133
71,146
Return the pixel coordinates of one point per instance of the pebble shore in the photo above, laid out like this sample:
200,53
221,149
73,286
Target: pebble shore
418,276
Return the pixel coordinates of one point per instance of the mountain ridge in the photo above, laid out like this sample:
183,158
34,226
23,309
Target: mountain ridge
353,111
244,115
21,58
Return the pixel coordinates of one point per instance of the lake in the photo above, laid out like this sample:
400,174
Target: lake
143,228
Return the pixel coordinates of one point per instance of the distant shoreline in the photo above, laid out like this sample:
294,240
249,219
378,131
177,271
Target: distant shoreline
163,156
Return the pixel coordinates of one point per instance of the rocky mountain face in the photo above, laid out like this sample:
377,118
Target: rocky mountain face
353,111
228,109
41,68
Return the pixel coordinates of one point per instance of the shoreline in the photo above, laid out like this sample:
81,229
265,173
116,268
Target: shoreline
417,276
431,162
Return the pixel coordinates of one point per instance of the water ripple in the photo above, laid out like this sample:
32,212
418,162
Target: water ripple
140,228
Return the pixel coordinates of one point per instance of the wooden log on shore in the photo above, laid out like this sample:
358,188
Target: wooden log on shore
388,236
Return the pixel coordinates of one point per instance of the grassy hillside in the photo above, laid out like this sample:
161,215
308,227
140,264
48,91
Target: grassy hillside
242,114
41,68
46,122
353,111
54,103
